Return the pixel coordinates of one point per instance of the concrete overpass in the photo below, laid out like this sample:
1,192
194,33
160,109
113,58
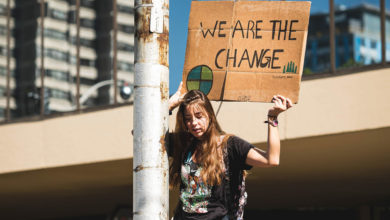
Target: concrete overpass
335,147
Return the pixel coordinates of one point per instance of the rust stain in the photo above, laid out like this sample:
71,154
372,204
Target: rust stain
164,91
165,173
162,143
142,21
166,24
166,5
138,168
142,33
163,42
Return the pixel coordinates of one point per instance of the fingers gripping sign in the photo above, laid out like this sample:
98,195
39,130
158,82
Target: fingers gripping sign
281,104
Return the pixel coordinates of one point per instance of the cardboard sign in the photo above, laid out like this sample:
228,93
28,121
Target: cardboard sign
246,50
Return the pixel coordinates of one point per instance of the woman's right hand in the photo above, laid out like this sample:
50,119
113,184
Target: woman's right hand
176,98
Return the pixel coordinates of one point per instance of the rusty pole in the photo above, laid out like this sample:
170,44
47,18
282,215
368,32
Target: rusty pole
150,162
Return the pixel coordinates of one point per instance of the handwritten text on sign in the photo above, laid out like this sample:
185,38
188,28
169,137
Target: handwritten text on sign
260,59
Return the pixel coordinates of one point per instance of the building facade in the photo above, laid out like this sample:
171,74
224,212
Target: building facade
59,51
357,38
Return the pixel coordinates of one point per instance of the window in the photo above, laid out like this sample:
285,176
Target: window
358,34
57,14
87,62
125,47
125,66
3,30
125,9
59,94
83,42
373,44
317,46
87,3
87,22
2,91
126,28
55,34
2,113
57,74
3,10
72,17
56,54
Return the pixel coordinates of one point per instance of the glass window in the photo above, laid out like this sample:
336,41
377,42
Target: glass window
87,3
125,9
85,22
317,57
54,34
87,62
58,14
3,9
126,28
56,54
83,42
57,59
125,51
3,30
57,75
125,47
72,17
357,34
125,66
60,58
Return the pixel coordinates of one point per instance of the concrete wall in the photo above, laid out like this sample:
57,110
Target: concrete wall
69,140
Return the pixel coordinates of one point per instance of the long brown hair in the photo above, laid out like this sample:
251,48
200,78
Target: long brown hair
208,155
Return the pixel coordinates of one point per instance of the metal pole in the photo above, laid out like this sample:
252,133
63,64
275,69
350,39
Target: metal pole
150,175
8,111
332,37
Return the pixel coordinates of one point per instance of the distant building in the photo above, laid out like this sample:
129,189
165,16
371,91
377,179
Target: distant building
96,51
357,38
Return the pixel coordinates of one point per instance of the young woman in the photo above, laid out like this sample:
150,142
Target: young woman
208,164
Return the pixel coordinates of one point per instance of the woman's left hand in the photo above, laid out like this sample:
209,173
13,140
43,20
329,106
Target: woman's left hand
281,105
176,98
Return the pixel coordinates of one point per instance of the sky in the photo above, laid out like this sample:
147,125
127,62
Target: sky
179,11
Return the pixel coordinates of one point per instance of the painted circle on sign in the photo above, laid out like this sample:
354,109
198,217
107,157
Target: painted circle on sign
200,78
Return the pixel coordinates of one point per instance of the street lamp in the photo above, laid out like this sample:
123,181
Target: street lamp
126,90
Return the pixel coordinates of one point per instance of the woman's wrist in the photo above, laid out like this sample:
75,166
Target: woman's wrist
272,120
272,116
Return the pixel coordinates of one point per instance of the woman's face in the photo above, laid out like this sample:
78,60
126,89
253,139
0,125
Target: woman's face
196,120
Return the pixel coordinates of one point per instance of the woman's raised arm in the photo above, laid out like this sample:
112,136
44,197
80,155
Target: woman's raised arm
270,158
175,99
